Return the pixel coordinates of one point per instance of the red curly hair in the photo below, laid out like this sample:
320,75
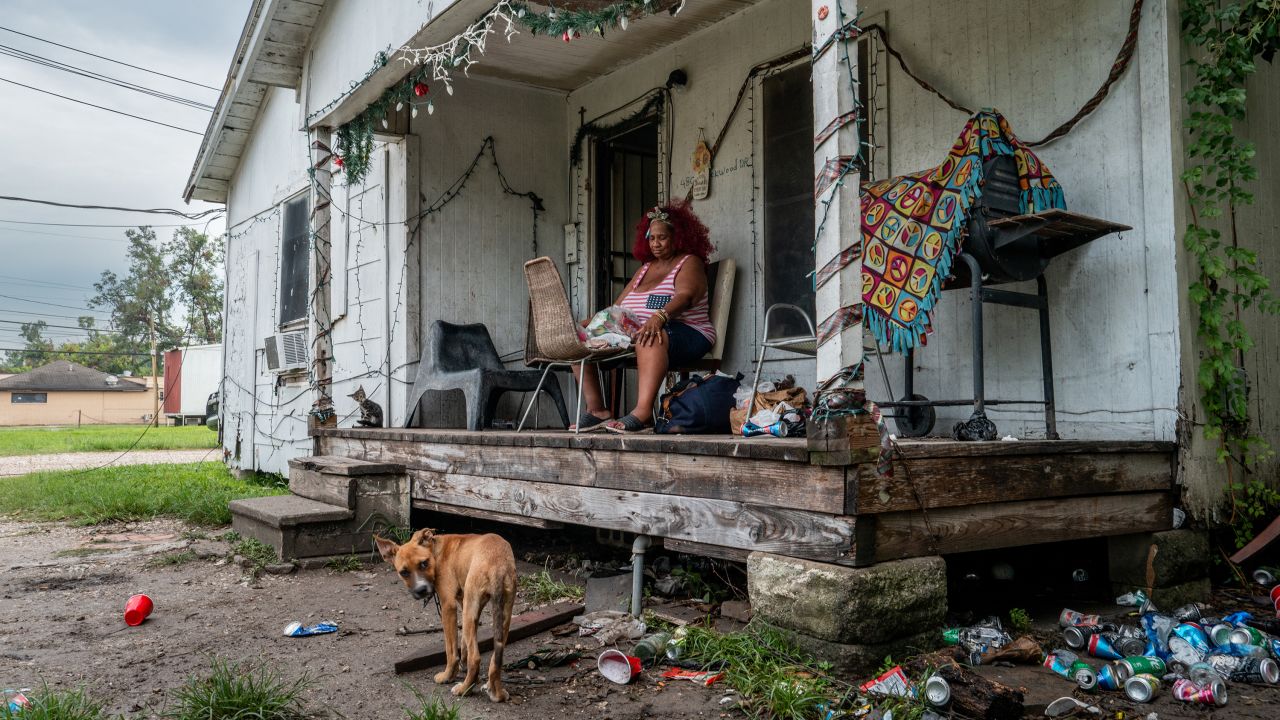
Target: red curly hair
689,235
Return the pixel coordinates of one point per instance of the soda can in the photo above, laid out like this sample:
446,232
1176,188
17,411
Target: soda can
1194,635
951,636
1220,634
936,691
1058,664
1266,576
1203,672
1246,635
1254,671
1107,679
1128,631
1275,599
1142,688
1140,665
1189,612
1129,647
1100,647
1069,618
1214,693
1077,636
1085,677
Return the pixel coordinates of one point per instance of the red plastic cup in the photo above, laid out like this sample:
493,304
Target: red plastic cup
1275,599
137,609
618,666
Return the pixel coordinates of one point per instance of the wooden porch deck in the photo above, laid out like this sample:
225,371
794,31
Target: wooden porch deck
725,496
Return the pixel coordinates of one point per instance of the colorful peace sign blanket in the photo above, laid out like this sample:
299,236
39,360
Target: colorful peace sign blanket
913,226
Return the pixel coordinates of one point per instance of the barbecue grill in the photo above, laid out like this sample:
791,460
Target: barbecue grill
1002,245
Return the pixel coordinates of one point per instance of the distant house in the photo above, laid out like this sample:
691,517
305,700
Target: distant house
64,393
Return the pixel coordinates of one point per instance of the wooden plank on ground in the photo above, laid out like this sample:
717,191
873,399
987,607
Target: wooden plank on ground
772,483
951,482
488,515
1012,524
522,626
797,533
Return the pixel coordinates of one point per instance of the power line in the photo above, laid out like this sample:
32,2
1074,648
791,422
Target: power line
72,352
47,282
100,107
90,74
67,327
153,211
40,302
103,57
89,225
65,317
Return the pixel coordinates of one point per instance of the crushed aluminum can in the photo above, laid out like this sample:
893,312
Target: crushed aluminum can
1107,679
1077,636
1142,688
297,629
1195,636
700,677
892,682
1100,646
1252,671
1139,665
951,636
1214,693
1203,672
16,700
1246,635
1084,675
1190,612
1060,664
937,692
1220,634
1071,617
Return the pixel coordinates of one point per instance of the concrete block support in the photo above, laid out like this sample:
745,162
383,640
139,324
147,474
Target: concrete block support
851,617
1171,566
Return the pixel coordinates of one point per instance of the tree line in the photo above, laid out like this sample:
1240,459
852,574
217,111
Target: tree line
174,285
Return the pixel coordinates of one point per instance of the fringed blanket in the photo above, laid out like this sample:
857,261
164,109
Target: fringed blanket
913,226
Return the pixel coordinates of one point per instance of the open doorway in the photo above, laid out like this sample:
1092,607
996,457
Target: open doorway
626,186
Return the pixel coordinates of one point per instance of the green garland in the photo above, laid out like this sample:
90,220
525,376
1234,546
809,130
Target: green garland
1229,36
568,22
354,140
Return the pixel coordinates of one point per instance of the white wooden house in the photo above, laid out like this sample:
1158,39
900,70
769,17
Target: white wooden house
409,245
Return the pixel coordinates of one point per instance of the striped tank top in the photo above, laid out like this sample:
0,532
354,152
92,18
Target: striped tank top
643,304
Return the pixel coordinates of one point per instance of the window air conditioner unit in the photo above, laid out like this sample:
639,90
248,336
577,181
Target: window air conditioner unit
287,352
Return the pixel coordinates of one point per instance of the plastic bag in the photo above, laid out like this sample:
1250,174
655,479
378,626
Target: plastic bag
613,320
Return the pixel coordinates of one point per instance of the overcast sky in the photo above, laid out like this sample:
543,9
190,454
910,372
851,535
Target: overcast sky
55,149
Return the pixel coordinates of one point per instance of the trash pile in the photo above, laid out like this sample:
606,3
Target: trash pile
650,651
780,409
1193,652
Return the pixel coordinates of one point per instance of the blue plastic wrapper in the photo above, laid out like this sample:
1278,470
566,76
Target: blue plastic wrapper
1157,627
1237,618
1194,636
297,629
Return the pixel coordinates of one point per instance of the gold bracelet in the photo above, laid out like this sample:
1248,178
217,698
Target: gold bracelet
665,317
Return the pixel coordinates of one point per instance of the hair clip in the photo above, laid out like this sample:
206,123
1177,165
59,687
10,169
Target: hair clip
657,213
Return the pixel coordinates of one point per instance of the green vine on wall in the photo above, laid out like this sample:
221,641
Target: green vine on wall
1229,37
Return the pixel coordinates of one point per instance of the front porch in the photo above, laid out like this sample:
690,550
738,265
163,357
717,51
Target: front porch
727,497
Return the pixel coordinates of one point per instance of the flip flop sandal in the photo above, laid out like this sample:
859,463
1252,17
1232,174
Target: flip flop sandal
627,424
589,423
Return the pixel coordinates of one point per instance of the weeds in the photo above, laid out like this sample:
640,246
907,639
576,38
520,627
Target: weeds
542,589
431,708
49,704
1019,621
344,563
172,559
256,552
194,535
240,690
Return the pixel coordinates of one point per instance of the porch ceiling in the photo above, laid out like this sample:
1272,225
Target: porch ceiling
543,61
550,62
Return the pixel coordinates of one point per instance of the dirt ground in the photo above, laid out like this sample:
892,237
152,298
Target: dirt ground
63,591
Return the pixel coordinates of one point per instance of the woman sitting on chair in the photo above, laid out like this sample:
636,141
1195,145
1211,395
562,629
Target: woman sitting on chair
668,295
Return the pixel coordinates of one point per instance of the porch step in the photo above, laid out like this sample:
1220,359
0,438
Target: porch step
281,511
335,480
297,527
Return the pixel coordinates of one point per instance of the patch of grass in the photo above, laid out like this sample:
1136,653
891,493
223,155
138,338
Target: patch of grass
90,438
230,536
82,552
49,704
431,708
542,589
1019,621
240,690
256,551
194,535
197,493
395,532
172,559
344,563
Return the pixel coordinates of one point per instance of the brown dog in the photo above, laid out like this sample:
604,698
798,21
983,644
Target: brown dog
468,569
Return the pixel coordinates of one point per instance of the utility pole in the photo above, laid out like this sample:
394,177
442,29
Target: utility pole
155,381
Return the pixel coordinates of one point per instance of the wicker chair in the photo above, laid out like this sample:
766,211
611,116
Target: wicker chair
553,335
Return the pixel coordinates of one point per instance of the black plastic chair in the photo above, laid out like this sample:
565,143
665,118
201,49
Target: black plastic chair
462,357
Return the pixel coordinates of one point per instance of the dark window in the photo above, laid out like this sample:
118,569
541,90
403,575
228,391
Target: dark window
788,197
24,398
295,252
627,172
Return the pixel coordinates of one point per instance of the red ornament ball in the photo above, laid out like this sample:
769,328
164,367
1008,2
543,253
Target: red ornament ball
565,36
823,12
337,160
420,89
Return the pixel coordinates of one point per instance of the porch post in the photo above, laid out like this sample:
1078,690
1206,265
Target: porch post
838,217
322,411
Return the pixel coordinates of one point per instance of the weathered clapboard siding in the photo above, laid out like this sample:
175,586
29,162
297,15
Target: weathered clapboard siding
795,533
